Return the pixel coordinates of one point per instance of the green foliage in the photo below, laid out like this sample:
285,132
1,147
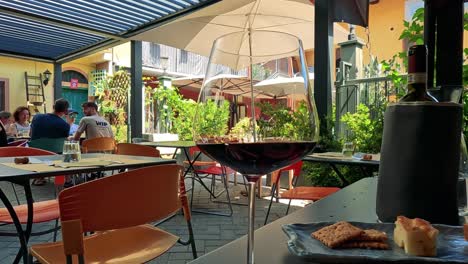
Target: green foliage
183,123
242,128
111,96
167,100
212,118
120,133
366,130
279,121
276,121
176,114
414,30
316,174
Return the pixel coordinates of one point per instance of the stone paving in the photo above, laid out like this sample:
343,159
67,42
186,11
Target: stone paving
210,231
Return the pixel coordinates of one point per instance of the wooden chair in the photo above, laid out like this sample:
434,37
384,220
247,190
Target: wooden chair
44,211
98,145
137,150
310,193
117,209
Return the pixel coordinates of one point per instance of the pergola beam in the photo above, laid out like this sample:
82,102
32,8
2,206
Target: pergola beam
323,59
57,81
136,91
58,23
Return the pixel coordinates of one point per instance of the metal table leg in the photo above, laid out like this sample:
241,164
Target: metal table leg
340,175
198,179
23,235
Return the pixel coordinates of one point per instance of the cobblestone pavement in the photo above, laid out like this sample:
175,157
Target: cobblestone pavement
210,231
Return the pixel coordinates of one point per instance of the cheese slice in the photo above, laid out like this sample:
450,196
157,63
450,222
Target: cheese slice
417,236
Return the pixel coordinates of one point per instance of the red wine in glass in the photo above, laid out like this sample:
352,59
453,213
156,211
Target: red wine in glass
257,158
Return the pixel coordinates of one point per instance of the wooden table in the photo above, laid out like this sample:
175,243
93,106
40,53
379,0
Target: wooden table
334,158
22,177
353,203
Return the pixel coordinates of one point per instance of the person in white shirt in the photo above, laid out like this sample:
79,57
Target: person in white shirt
92,124
21,127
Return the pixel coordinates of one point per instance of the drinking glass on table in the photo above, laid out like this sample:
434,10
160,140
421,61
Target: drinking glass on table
264,142
71,151
348,149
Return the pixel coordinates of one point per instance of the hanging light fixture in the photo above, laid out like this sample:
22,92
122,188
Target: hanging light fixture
47,75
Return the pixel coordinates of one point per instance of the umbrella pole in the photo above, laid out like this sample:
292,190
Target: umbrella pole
252,101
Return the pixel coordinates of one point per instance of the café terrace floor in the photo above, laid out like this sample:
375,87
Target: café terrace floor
210,231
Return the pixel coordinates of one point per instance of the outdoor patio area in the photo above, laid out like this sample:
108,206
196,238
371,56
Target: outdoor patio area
210,231
233,131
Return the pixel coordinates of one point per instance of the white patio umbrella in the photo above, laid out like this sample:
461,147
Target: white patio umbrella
283,86
197,31
224,81
228,83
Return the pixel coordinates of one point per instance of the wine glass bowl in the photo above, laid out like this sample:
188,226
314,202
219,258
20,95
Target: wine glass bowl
273,120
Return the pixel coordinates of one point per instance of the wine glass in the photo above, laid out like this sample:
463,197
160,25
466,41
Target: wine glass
279,125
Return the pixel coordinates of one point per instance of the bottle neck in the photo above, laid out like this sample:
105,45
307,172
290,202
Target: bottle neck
416,81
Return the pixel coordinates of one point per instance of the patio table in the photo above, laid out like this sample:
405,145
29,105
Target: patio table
185,146
335,158
355,202
14,173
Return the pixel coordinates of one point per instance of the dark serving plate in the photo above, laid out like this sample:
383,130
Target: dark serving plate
451,246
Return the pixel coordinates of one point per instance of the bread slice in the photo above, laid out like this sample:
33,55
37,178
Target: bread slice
417,236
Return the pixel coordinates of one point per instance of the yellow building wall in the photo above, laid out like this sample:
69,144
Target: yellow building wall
385,26
12,70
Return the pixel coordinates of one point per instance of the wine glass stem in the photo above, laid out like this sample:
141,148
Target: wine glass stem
250,242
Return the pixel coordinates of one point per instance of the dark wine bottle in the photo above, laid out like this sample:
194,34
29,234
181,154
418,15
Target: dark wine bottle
416,88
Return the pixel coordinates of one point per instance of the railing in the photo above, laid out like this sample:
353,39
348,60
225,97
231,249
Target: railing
371,91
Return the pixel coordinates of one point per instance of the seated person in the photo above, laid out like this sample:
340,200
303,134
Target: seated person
71,117
21,127
51,125
94,125
4,122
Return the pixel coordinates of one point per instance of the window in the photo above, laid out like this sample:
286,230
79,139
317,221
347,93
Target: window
155,51
183,56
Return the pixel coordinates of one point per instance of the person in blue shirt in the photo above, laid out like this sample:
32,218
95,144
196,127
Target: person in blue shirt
51,125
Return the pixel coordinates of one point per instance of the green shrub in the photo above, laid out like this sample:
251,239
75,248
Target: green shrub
366,131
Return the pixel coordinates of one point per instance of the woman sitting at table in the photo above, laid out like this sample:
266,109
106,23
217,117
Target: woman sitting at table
21,127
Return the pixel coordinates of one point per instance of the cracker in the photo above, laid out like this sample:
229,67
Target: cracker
365,244
372,235
334,235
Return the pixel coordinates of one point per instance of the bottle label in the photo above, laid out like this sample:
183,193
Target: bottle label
416,77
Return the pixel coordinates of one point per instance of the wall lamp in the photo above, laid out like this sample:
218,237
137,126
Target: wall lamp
47,75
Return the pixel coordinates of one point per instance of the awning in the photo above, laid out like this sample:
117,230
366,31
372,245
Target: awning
60,31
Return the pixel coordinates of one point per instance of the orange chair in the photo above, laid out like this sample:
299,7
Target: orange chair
310,193
117,208
137,150
43,211
98,145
